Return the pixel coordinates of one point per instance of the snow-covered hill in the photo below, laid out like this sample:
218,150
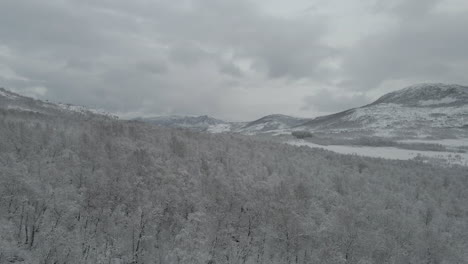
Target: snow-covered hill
422,110
271,124
267,124
15,102
419,111
428,95
430,112
200,123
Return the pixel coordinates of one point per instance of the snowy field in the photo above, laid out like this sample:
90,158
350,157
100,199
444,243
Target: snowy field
462,142
389,152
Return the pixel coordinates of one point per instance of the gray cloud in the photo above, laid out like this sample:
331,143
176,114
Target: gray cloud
216,57
425,45
326,101
230,69
108,52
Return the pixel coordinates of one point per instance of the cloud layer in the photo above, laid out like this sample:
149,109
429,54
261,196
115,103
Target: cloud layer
230,59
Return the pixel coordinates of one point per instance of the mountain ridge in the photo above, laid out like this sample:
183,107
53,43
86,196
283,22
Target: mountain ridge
13,101
419,110
427,94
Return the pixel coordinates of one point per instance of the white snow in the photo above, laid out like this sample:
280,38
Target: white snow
446,100
20,108
389,117
281,132
461,142
389,152
7,95
73,108
81,109
219,128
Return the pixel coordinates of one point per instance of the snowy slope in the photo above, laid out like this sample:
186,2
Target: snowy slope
267,124
425,95
271,124
424,110
16,102
391,153
199,123
421,110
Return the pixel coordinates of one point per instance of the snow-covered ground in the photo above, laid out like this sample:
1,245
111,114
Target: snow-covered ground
445,100
389,152
82,109
7,95
219,128
462,142
391,116
20,108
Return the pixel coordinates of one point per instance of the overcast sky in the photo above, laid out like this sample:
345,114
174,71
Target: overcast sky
231,59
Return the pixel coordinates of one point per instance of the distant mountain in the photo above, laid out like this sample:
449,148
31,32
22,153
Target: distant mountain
15,102
201,123
423,110
419,110
271,123
428,95
267,124
415,111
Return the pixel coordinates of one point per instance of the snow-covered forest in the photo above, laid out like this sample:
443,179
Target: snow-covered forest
84,188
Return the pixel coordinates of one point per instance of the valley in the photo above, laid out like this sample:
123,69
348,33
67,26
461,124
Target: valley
406,124
83,186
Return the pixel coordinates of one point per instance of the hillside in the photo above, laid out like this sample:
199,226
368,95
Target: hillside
198,123
419,111
267,124
10,101
80,188
270,124
427,110
428,95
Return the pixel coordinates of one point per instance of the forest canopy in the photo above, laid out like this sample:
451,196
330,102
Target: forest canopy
81,188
